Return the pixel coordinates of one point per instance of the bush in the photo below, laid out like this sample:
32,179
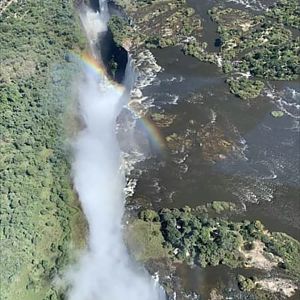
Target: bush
149,215
245,88
245,284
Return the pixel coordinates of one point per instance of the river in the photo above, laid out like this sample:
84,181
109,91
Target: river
259,171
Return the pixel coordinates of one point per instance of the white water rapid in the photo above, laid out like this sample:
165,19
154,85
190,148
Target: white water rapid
105,271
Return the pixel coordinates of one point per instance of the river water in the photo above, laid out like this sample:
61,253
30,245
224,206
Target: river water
262,173
258,165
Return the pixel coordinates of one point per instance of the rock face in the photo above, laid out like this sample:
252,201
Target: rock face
278,285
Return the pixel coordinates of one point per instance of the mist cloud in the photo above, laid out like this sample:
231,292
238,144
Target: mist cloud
105,271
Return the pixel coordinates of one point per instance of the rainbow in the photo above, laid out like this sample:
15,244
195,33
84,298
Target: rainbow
94,66
148,125
155,135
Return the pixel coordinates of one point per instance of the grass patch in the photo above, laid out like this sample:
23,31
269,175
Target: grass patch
288,249
145,240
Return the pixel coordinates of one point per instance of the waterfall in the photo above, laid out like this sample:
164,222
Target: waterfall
106,270
104,10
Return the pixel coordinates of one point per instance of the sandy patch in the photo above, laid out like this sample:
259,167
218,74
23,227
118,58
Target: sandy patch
215,296
246,26
258,258
278,285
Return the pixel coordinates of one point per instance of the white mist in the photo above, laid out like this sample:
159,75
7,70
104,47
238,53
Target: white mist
105,271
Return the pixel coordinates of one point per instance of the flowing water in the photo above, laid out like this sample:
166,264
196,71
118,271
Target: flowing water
260,172
261,175
105,270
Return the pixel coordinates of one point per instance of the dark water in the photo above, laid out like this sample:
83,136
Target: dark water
261,173
219,278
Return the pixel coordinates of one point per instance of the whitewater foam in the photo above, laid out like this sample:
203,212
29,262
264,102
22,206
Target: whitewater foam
286,100
255,5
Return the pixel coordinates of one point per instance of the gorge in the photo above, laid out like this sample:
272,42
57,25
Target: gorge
106,271
149,150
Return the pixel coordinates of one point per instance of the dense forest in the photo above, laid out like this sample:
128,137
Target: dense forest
194,236
38,206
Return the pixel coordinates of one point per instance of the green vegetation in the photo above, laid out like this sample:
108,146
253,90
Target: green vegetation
216,207
278,62
145,240
190,235
254,45
154,24
120,30
286,12
199,239
197,50
288,249
245,88
113,66
221,206
277,113
245,284
265,49
39,211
